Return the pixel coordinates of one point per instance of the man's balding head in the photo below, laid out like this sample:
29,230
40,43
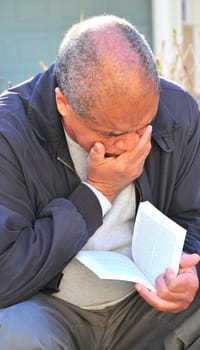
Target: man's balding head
101,58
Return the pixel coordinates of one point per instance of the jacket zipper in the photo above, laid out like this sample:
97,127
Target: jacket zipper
68,166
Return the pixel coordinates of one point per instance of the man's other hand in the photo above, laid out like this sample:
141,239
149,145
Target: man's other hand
174,292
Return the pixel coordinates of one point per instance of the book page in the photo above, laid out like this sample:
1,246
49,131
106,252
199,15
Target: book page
113,265
157,241
157,244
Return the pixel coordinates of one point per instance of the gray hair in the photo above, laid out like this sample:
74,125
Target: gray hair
80,69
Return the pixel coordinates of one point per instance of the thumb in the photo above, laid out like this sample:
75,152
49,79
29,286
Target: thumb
97,152
189,260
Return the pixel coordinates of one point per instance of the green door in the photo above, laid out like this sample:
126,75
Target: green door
31,30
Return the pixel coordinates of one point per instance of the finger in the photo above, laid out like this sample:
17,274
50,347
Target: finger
141,150
168,288
148,130
189,260
165,282
156,301
181,288
144,141
178,283
97,152
170,278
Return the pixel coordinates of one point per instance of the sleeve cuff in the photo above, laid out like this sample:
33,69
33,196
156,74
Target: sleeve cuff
88,205
104,202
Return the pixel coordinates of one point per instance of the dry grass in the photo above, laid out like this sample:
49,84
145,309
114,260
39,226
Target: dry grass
181,65
180,68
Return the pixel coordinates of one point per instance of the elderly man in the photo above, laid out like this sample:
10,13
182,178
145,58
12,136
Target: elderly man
81,145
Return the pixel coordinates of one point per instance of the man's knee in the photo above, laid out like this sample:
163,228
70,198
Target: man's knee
32,326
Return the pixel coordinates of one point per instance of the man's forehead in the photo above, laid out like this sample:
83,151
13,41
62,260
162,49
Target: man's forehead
127,120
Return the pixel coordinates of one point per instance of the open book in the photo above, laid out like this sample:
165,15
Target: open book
157,244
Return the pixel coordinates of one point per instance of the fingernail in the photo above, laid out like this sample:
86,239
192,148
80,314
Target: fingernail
96,147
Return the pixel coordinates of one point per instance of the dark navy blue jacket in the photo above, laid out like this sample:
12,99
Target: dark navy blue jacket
47,215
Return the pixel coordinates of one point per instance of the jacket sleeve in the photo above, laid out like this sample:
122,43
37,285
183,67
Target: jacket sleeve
35,249
185,201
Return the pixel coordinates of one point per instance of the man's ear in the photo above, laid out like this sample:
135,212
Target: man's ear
61,102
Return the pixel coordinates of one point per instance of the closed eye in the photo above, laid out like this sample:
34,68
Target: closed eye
114,134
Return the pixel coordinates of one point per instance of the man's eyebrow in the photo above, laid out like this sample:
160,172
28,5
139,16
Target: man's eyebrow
110,132
114,133
119,133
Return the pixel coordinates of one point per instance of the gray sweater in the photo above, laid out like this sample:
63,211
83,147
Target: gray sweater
79,285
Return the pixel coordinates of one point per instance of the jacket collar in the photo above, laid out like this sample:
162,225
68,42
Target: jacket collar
43,113
165,123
